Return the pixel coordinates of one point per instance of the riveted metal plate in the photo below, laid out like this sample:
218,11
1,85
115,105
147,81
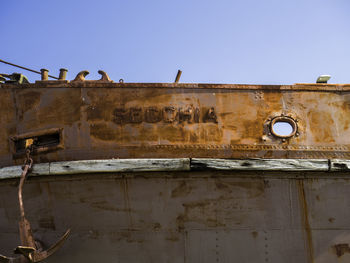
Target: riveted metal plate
102,120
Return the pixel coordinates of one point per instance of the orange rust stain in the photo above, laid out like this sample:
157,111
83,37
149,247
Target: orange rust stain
147,133
210,133
173,133
305,219
194,137
252,128
235,141
140,96
103,132
63,107
273,99
7,120
321,125
28,100
344,119
102,104
95,113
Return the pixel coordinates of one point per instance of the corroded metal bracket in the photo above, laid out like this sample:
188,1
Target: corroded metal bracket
30,250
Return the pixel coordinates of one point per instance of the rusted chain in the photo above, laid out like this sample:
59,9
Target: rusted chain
28,163
30,250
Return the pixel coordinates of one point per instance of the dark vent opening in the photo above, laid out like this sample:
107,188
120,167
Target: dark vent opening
42,141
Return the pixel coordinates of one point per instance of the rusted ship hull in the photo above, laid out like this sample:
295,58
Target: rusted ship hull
264,198
95,120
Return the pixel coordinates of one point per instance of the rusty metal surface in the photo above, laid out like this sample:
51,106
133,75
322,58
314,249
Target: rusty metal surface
202,216
194,216
101,119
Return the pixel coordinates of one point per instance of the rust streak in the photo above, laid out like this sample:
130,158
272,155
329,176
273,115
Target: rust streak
125,188
305,220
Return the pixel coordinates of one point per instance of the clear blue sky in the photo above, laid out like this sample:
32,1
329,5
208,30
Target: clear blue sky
245,41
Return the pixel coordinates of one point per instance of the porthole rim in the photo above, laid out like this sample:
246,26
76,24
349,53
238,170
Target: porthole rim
287,119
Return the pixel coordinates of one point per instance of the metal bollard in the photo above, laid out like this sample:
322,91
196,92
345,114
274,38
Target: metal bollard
63,74
44,74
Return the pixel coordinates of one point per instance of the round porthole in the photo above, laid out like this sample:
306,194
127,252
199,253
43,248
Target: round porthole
283,127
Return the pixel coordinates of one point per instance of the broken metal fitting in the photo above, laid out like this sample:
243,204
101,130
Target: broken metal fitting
81,75
178,75
13,78
63,74
104,76
44,74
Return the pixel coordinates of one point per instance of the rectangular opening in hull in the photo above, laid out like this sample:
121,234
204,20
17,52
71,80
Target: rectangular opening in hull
43,141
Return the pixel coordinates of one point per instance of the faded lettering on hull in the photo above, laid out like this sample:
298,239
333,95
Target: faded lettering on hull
168,114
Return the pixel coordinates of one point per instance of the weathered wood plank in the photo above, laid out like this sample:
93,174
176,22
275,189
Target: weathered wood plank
100,166
16,171
181,164
340,165
120,165
261,164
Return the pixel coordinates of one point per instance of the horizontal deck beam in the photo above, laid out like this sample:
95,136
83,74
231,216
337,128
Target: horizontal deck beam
178,164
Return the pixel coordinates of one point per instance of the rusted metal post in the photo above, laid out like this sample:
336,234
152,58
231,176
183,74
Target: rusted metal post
63,74
44,74
178,75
